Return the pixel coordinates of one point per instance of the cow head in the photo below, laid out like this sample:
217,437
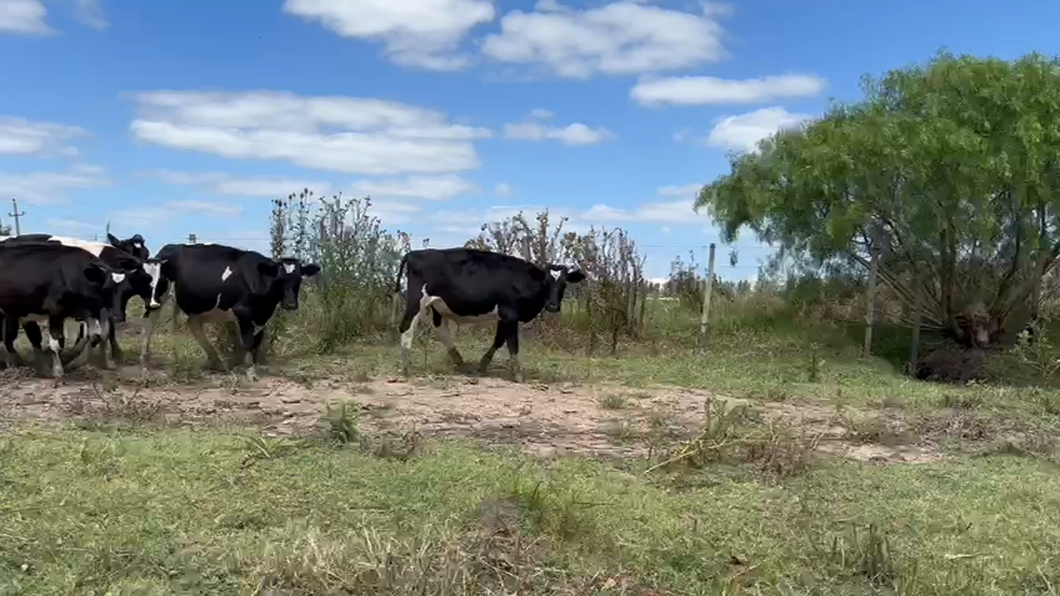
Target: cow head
134,246
151,282
556,279
285,276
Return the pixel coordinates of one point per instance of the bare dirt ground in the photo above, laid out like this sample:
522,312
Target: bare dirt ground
543,419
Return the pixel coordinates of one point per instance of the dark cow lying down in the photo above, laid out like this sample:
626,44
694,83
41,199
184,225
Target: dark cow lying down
132,275
51,282
215,282
463,285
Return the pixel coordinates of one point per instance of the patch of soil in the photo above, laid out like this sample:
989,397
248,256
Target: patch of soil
546,420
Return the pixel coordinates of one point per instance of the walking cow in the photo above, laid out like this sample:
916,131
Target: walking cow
52,282
213,282
465,285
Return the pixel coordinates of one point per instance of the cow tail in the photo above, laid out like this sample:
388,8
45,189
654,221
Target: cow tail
396,306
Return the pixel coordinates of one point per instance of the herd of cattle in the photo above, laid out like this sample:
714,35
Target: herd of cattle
46,278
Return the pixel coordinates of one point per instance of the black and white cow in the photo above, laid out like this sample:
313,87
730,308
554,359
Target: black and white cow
134,276
51,282
215,282
464,285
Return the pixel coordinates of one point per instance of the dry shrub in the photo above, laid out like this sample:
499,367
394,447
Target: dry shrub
737,434
358,259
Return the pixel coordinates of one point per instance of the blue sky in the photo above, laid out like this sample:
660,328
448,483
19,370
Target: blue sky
170,118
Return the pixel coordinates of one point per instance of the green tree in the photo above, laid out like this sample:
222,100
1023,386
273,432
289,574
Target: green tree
950,170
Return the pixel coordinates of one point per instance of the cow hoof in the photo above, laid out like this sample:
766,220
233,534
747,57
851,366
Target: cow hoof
517,378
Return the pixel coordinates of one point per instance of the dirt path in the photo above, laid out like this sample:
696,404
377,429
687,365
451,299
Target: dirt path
543,419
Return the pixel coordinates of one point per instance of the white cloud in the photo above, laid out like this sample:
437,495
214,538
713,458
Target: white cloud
344,134
421,33
21,136
90,12
743,132
682,134
711,90
532,129
672,212
227,184
503,189
684,190
197,206
24,16
434,188
623,37
541,114
51,188
72,224
667,211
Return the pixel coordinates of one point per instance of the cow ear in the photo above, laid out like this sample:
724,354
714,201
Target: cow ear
113,241
575,276
95,274
310,269
269,268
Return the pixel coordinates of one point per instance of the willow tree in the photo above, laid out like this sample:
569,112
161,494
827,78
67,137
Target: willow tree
948,171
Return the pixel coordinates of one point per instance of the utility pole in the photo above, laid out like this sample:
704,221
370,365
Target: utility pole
16,214
192,238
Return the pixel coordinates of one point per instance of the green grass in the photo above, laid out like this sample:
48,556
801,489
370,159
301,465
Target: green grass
209,512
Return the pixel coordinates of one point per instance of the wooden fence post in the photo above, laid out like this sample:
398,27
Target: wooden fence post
704,315
918,312
870,301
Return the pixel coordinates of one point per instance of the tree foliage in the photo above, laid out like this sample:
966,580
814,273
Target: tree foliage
950,170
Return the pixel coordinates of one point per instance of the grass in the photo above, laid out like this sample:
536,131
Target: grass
142,507
213,512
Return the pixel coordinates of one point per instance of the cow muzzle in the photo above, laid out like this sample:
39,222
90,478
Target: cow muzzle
553,308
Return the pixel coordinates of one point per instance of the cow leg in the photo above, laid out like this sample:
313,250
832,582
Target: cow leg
250,347
150,320
407,327
504,329
513,352
115,349
106,326
195,326
10,332
55,335
443,328
33,334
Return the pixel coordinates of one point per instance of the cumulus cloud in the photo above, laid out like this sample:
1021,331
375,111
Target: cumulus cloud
207,207
619,38
742,132
419,33
239,186
433,188
52,188
27,17
532,128
659,211
503,189
343,134
90,13
72,224
712,90
19,136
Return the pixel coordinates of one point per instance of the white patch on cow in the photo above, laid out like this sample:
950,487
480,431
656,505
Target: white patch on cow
118,277
93,248
154,270
137,245
288,267
555,274
53,344
225,275
427,302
